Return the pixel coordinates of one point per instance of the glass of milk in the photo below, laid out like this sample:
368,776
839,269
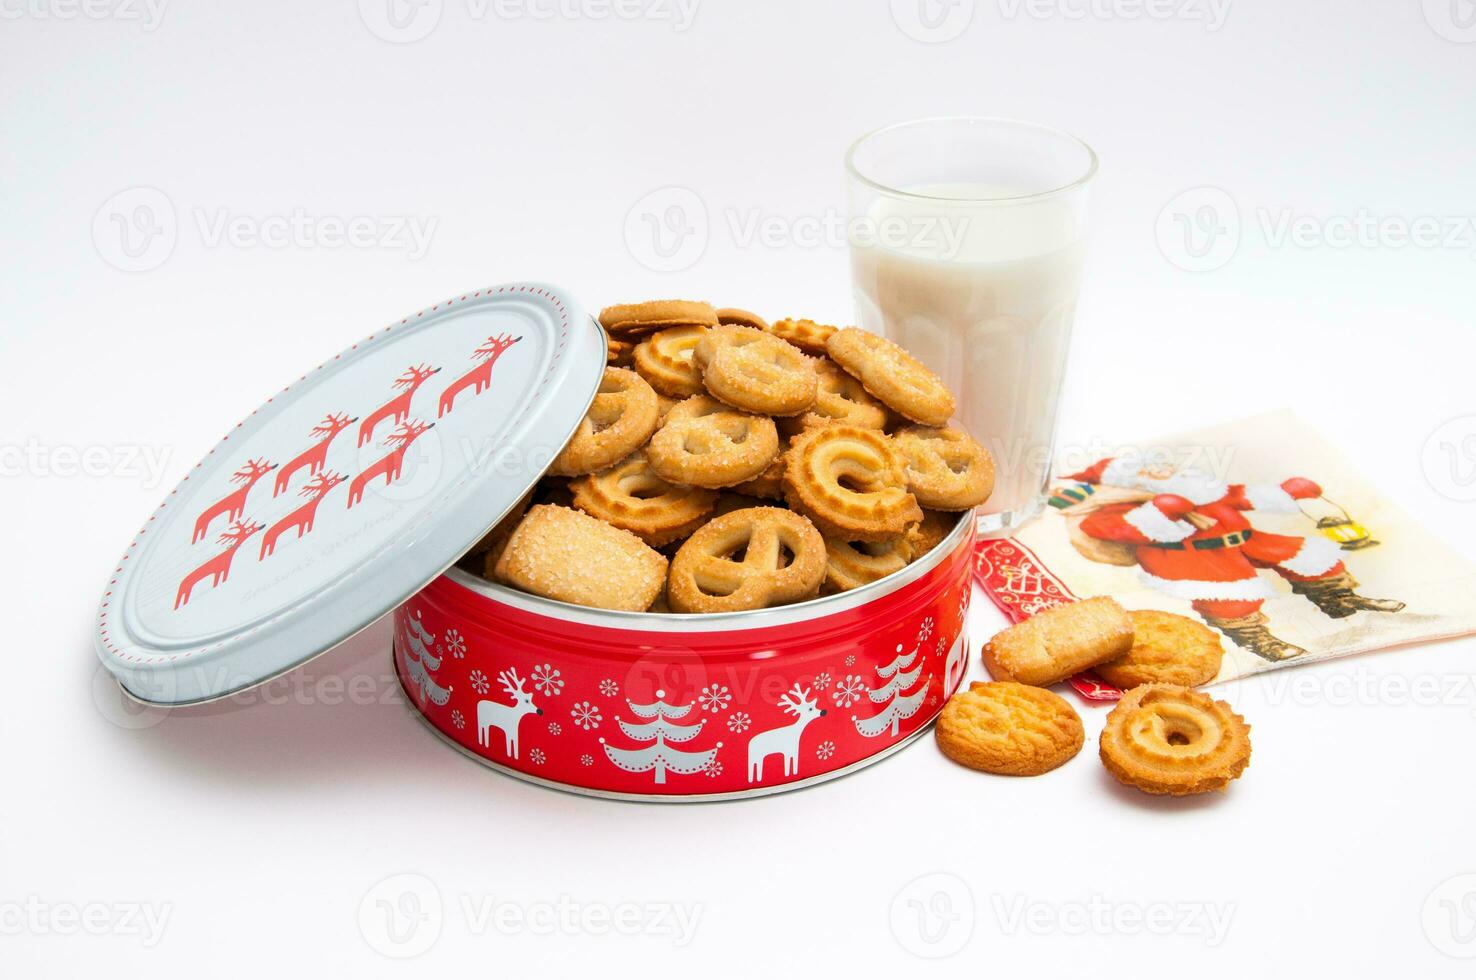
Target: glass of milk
967,236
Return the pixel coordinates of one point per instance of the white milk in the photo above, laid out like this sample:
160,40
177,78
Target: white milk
984,292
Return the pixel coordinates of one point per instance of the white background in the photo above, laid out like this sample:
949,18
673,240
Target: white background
261,828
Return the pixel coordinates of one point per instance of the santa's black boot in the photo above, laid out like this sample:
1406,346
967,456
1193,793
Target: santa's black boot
1336,598
1251,633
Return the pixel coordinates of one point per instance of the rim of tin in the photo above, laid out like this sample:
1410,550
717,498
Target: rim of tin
649,622
656,798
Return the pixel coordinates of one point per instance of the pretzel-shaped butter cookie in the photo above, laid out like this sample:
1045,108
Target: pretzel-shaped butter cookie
900,380
839,399
630,496
946,469
1170,740
756,371
664,359
850,482
619,421
748,559
704,443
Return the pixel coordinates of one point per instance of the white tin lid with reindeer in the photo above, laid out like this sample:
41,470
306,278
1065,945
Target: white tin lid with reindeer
347,492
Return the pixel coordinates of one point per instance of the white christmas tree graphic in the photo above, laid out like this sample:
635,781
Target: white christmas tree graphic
420,662
660,732
897,679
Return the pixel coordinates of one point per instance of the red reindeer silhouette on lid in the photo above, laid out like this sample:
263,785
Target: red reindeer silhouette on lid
397,407
479,377
301,518
217,569
314,456
233,504
390,465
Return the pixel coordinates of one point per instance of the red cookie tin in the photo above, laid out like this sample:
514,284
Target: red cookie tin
350,493
698,707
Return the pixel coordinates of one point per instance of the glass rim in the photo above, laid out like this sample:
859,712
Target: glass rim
1086,176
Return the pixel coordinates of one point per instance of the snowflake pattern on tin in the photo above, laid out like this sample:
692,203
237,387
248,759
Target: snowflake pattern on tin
554,728
848,691
479,682
714,769
925,630
825,749
458,719
455,644
537,757
609,688
738,722
714,698
822,680
586,760
850,660
587,716
546,680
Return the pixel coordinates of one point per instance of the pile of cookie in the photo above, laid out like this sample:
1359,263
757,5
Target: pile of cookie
1163,737
728,463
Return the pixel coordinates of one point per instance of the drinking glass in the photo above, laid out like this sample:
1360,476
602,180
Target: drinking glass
966,240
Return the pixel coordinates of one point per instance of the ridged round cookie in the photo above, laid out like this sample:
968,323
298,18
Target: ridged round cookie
1009,729
664,359
630,496
1171,740
900,380
852,564
1167,649
928,533
850,482
946,468
807,335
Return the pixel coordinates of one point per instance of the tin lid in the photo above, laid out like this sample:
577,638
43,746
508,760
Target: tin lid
347,492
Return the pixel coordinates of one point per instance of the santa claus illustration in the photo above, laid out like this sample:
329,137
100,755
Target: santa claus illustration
1190,538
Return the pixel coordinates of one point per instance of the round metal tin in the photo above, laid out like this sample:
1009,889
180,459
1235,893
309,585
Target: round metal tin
673,708
347,492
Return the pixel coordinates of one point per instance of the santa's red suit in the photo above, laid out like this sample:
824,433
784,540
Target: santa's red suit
1214,566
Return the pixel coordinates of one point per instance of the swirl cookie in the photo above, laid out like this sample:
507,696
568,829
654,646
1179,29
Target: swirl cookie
619,421
807,335
630,496
1009,729
852,564
565,555
850,482
619,352
1167,649
1170,740
839,400
946,470
755,371
748,559
664,359
704,443
900,380
1060,642
627,320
